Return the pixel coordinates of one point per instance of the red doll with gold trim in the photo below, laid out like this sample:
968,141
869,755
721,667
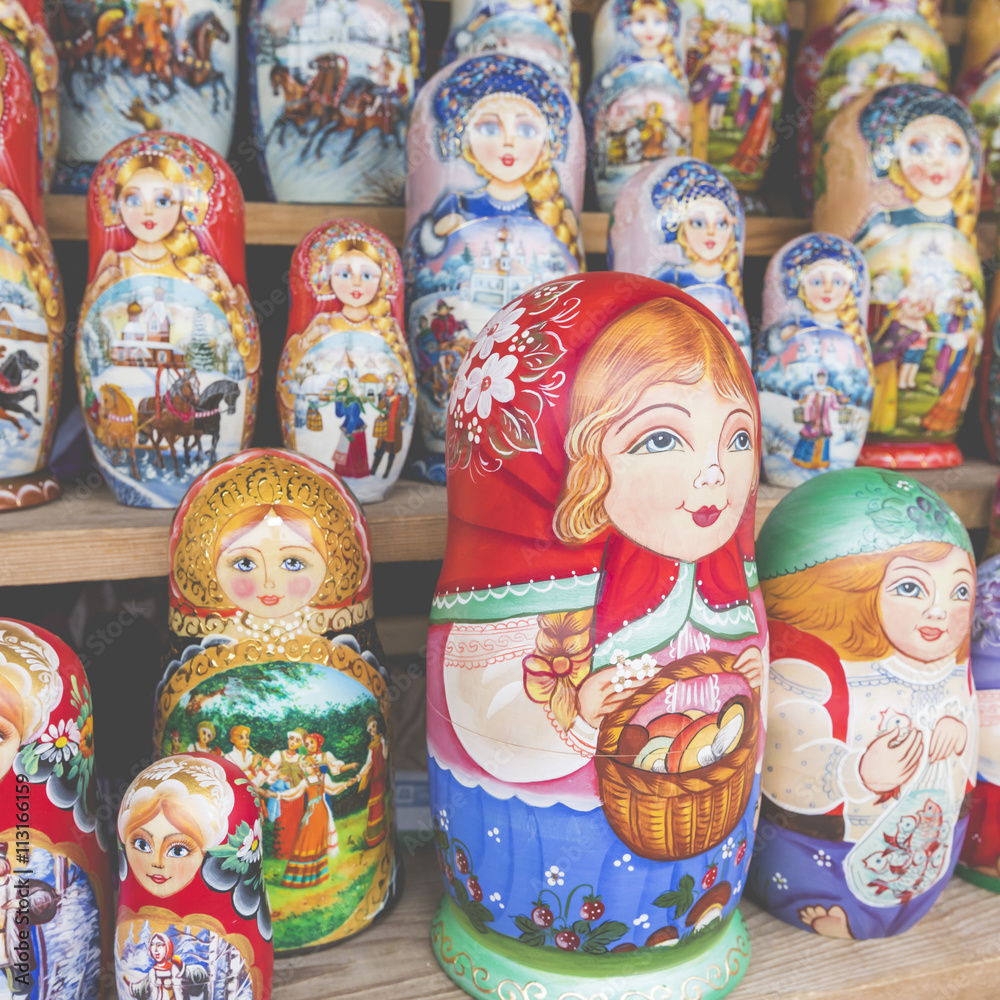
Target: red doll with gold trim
54,865
193,914
33,317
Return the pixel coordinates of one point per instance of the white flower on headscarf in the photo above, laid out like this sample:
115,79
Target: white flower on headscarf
502,327
489,383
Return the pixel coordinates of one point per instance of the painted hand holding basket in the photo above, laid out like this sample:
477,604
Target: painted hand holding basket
494,194
347,391
193,916
681,221
168,350
899,177
979,861
269,555
596,650
32,313
813,365
56,907
869,583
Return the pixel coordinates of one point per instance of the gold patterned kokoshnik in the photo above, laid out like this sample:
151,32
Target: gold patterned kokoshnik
267,480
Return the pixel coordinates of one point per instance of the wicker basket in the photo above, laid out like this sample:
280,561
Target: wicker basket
668,817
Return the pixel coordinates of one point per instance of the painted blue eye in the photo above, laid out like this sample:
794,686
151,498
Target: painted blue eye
344,274
919,147
723,224
244,564
177,851
908,588
697,222
490,129
367,275
954,148
741,442
655,443
142,845
526,130
293,565
839,282
133,201
163,201
962,593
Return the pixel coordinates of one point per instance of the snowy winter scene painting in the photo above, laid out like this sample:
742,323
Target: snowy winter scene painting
164,390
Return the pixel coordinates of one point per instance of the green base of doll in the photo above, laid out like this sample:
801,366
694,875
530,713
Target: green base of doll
494,964
990,882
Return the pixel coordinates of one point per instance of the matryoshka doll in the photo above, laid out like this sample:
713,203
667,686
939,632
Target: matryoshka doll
869,44
269,556
736,61
331,88
978,84
637,108
869,582
56,908
193,916
681,221
131,68
168,350
813,365
346,385
597,647
979,860
31,348
494,195
23,25
900,177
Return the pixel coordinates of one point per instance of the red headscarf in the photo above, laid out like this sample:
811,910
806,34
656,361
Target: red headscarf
502,499
19,166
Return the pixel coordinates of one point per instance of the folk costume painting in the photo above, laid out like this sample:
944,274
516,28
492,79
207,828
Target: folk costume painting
168,354
269,556
594,660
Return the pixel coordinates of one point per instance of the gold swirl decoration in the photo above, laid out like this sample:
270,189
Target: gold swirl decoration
461,961
265,480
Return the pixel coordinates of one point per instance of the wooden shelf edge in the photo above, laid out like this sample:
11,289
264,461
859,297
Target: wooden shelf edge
85,534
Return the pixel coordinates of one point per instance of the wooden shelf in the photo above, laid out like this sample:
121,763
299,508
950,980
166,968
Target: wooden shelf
954,951
87,535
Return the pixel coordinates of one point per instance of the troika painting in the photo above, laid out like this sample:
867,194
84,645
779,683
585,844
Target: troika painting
168,352
138,65
332,84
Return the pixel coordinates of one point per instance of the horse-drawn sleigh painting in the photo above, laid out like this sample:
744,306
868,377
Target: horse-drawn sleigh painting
332,82
134,65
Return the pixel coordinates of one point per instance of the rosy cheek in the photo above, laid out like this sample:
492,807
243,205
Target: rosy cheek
300,585
243,586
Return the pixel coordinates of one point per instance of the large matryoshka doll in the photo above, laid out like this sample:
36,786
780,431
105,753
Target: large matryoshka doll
331,88
347,390
736,52
193,917
681,221
979,860
813,365
869,582
865,45
494,195
900,177
23,25
597,647
269,557
131,68
31,348
978,84
56,908
168,350
637,107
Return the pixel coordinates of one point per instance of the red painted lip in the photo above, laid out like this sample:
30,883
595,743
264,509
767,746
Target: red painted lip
710,244
270,599
937,178
149,225
705,516
931,634
355,295
507,159
158,879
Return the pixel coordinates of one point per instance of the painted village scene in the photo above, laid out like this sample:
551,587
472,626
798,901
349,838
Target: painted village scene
202,964
139,65
168,391
333,88
64,955
453,295
24,364
313,742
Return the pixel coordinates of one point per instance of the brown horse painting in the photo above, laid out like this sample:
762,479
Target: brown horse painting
364,108
116,425
169,416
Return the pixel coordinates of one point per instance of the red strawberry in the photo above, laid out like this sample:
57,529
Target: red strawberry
568,940
449,874
708,879
592,909
475,889
461,861
741,851
542,917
